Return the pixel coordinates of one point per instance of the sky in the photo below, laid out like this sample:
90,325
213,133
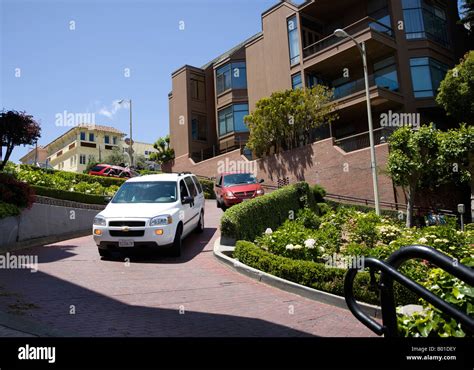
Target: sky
82,56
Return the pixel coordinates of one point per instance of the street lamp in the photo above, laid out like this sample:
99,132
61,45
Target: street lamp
130,150
343,34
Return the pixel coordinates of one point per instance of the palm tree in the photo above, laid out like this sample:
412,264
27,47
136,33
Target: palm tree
468,14
165,153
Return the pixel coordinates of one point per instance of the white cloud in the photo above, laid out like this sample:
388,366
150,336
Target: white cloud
110,112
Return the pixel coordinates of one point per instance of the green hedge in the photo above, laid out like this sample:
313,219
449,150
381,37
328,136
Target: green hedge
69,195
314,275
247,220
358,207
208,188
7,210
90,179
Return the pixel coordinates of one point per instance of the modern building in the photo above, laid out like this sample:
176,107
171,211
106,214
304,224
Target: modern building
410,46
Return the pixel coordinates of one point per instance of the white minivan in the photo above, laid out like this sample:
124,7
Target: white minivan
153,211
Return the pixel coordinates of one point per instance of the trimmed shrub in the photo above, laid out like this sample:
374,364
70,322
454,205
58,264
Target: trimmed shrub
69,195
15,192
314,275
319,193
208,188
8,210
383,212
247,220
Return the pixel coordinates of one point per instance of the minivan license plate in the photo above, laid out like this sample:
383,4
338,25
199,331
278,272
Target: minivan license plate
126,243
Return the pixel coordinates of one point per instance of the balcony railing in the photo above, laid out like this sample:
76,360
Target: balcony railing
361,141
352,87
358,26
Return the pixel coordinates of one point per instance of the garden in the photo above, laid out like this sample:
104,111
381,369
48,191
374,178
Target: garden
299,237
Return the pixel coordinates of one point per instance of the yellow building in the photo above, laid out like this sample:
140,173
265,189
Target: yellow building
140,148
74,149
36,155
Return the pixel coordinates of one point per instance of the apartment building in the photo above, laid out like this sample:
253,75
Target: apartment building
74,149
410,46
36,155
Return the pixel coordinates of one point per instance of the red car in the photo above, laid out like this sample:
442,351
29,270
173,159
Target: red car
233,188
109,170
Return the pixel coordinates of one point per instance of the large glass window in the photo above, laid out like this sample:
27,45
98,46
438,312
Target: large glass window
385,73
232,119
231,76
198,88
198,127
293,40
426,75
296,82
425,20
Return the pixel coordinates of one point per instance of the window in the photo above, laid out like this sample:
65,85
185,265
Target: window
293,40
231,76
83,136
198,127
424,20
114,140
386,75
183,191
198,87
197,183
192,188
91,158
91,136
426,76
296,82
146,192
107,139
232,119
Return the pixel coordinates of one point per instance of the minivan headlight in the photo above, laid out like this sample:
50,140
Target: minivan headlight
100,221
161,220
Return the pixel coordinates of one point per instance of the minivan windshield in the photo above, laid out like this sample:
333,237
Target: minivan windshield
146,192
239,179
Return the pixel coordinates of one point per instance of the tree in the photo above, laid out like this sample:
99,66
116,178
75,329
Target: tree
457,151
116,158
16,128
468,14
456,91
165,152
284,120
414,161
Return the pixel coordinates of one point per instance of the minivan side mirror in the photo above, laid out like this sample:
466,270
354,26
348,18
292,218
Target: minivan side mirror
187,200
218,186
261,180
107,199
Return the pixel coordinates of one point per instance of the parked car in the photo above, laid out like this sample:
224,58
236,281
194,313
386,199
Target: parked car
152,211
233,188
110,170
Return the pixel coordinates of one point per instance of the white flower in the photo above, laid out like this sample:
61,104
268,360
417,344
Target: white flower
321,249
290,247
423,240
309,243
297,246
437,241
268,231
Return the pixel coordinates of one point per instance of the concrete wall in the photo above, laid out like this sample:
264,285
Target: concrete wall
45,220
318,163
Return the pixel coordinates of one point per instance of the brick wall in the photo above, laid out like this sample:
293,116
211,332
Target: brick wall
321,162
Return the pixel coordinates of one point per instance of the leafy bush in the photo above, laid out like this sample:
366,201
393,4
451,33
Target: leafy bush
319,193
431,322
362,228
15,192
8,210
312,274
69,195
247,220
308,218
208,188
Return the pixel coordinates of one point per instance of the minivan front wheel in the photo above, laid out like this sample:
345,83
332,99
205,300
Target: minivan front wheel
176,247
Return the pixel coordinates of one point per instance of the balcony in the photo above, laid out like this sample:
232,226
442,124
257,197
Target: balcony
355,86
378,37
362,140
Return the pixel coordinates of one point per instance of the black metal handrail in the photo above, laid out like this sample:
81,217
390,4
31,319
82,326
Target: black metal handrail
389,272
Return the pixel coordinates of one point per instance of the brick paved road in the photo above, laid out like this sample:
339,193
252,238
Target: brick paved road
194,295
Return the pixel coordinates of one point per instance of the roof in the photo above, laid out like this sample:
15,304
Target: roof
228,53
157,177
89,127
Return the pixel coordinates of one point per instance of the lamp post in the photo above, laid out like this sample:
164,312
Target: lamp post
130,150
373,164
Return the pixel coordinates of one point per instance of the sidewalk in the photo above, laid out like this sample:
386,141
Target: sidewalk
19,326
